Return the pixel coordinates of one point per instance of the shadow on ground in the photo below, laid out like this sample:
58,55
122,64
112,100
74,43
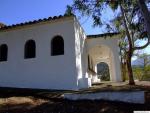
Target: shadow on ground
15,100
82,106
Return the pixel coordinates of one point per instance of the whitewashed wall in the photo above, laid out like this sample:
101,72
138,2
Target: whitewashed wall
44,71
81,57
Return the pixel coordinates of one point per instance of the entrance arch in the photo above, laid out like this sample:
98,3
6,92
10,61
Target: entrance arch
104,50
97,54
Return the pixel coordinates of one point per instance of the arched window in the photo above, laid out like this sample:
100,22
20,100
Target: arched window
57,46
3,52
30,49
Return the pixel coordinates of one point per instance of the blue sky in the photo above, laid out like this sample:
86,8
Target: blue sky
17,11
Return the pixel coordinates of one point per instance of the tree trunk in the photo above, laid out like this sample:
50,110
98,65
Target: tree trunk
124,71
130,72
130,51
145,14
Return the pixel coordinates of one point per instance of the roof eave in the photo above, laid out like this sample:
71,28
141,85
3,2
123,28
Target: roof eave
49,19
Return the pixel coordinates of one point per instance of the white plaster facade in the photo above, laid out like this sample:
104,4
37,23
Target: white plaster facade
68,71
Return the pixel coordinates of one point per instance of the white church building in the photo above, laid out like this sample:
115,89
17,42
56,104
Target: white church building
55,53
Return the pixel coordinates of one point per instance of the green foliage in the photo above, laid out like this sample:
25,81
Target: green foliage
69,10
88,8
141,73
147,69
137,72
114,5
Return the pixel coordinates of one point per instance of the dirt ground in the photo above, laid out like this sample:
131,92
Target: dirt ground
13,100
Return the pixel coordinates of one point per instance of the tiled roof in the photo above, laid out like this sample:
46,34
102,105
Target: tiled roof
34,22
102,35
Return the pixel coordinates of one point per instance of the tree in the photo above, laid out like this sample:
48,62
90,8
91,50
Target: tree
128,22
145,14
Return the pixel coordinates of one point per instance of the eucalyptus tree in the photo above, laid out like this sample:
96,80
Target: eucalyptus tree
128,22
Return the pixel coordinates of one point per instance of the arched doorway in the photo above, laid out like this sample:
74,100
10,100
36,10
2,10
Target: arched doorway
103,71
100,63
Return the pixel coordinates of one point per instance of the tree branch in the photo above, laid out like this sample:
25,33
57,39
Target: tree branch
127,31
144,46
